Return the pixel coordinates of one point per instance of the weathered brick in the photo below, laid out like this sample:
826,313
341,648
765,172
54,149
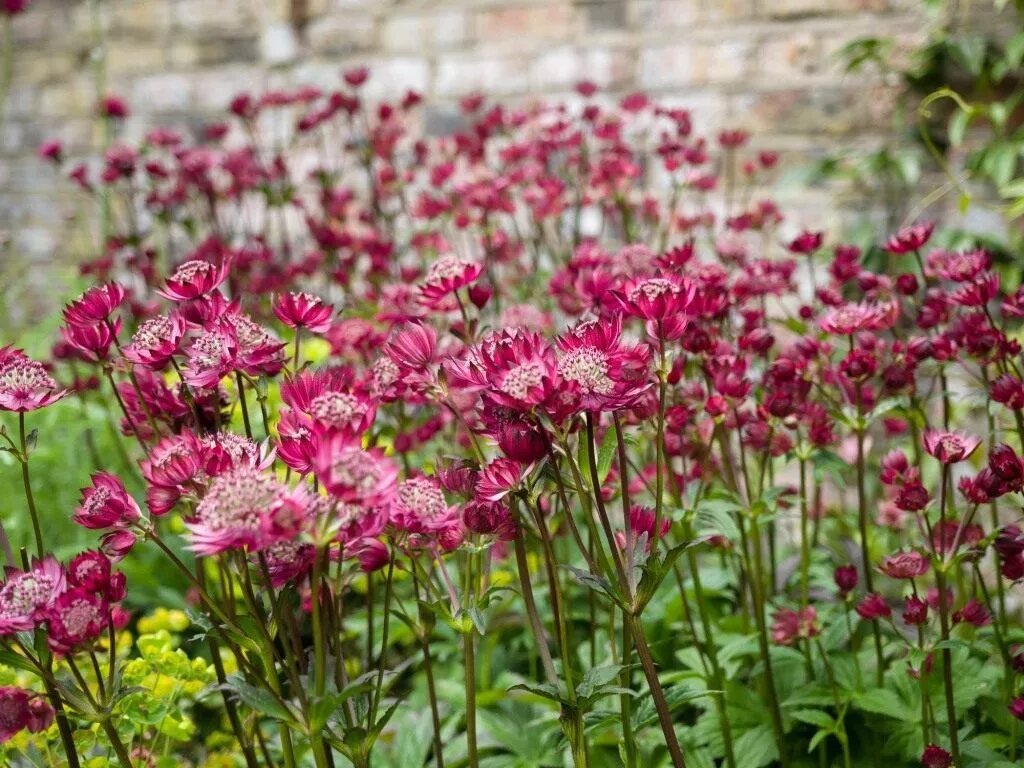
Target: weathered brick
341,34
164,92
444,29
784,9
460,74
663,15
518,25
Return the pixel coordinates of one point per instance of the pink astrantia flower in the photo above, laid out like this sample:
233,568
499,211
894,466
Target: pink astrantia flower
26,595
910,239
106,504
95,305
172,468
873,606
320,403
303,310
659,298
353,475
93,342
446,276
76,618
603,372
499,478
935,756
850,319
950,447
24,383
234,343
193,279
419,506
518,369
905,565
22,710
790,626
156,341
236,512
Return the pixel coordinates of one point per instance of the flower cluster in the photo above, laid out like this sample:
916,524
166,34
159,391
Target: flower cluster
509,360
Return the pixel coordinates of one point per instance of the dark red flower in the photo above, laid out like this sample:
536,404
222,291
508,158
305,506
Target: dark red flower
791,626
873,606
303,310
936,757
910,239
950,447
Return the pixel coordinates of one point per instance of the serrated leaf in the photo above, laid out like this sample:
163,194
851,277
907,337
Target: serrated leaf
881,701
258,699
596,678
815,717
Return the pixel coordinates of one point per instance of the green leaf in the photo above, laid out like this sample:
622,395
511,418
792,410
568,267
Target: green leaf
544,690
815,717
595,680
756,748
881,701
258,699
717,517
958,127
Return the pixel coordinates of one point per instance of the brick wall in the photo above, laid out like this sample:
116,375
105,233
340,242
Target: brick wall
765,65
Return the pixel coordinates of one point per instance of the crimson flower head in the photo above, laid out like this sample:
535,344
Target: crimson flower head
905,565
1008,390
303,310
910,239
950,447
806,242
915,611
850,319
22,710
170,469
52,150
353,475
845,577
873,606
75,619
356,76
499,478
1017,707
790,626
13,8
973,613
234,343
658,298
193,279
412,347
156,341
113,106
95,305
518,369
603,372
238,511
641,523
419,506
106,504
92,342
25,596
935,756
445,276
24,383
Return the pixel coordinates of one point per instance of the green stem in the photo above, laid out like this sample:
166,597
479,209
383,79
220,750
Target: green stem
643,651
947,656
27,483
